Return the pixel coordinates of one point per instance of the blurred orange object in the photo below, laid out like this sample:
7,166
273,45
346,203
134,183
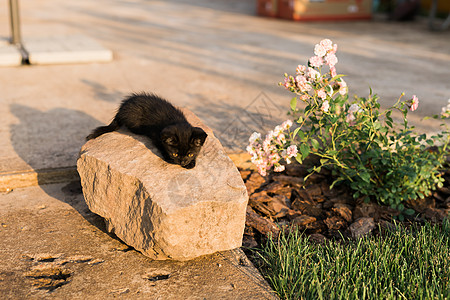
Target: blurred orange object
325,10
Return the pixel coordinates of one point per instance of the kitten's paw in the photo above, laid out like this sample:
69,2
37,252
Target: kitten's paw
190,165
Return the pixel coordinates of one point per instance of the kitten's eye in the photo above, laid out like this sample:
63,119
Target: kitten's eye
174,154
190,154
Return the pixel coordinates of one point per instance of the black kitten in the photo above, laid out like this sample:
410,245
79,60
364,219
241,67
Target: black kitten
147,114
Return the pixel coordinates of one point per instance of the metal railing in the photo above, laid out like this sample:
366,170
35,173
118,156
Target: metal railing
16,36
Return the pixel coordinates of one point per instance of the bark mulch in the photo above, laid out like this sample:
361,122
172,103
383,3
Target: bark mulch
283,200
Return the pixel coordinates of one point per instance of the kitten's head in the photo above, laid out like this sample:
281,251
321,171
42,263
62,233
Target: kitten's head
182,143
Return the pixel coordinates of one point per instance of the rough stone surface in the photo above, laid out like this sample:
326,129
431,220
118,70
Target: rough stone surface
362,227
160,209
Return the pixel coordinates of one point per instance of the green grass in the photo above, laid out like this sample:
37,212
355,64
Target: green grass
403,263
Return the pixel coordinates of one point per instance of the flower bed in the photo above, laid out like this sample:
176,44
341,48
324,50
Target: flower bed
355,164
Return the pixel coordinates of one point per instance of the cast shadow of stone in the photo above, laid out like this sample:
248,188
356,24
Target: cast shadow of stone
49,142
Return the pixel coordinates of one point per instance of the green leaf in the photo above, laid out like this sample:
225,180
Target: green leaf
337,77
304,149
298,158
323,161
295,132
315,144
365,176
294,103
409,211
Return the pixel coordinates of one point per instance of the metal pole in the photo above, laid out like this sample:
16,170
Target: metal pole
16,38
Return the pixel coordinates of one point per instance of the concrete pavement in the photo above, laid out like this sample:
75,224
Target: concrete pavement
215,58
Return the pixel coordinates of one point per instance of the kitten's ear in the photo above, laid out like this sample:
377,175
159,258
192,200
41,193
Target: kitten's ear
198,136
168,137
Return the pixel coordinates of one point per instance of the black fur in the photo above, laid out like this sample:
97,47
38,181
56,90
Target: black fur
166,126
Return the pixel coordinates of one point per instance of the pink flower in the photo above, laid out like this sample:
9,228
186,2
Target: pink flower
334,50
343,87
292,151
331,59
333,71
278,130
287,82
254,137
281,138
279,168
274,158
262,170
313,74
353,108
325,106
303,83
316,61
322,94
350,118
414,103
445,111
320,50
286,124
301,69
326,44
304,97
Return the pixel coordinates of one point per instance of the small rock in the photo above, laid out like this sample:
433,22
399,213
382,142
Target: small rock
317,238
361,227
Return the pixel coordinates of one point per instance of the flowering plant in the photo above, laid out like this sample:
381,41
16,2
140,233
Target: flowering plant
359,143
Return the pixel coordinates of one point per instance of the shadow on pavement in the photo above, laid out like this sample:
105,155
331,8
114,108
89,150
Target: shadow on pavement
34,139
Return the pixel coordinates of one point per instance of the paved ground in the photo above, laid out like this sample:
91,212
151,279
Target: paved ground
215,57
53,247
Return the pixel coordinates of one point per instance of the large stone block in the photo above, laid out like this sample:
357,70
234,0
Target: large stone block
161,209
